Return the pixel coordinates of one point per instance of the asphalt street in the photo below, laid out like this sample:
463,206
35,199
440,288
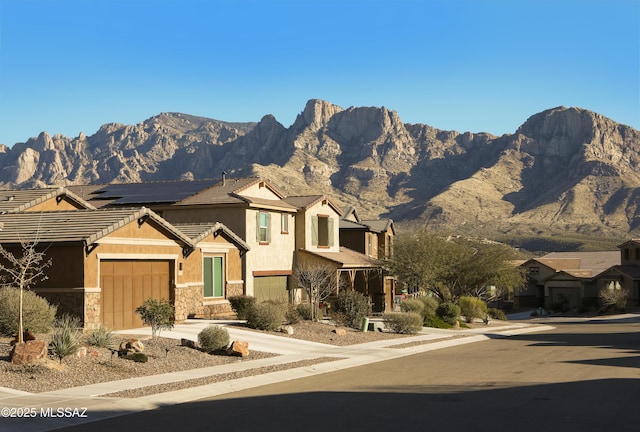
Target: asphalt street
580,376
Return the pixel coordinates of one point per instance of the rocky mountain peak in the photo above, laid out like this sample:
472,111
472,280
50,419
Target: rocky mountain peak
316,114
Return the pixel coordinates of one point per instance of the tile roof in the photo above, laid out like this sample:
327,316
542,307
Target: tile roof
12,201
580,264
345,258
87,226
198,232
303,202
379,225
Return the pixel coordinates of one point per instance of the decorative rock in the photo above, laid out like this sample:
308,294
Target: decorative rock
28,352
81,352
340,331
287,329
130,346
26,336
238,348
189,343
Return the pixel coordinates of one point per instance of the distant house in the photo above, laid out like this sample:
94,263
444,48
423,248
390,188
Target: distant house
370,237
626,274
564,277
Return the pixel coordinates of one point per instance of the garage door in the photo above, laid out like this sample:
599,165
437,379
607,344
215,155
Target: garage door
126,285
270,288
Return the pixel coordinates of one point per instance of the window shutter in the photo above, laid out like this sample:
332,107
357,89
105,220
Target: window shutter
330,233
208,277
258,226
268,227
314,230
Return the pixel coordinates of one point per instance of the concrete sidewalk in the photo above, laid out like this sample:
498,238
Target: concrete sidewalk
46,411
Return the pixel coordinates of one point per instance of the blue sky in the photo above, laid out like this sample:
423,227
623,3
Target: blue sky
468,65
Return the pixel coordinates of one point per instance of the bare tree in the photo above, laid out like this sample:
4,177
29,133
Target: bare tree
23,269
319,282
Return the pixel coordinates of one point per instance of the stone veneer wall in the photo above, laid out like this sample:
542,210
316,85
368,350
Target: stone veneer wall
188,302
92,311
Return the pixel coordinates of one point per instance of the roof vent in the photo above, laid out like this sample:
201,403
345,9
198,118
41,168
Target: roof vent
11,197
224,177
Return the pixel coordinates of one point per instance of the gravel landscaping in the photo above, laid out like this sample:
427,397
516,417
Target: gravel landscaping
165,355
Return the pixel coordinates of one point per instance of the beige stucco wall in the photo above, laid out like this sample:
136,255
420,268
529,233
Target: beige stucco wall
53,205
258,191
306,236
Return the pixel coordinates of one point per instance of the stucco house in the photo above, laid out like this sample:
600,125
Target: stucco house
319,240
251,207
626,274
569,277
107,262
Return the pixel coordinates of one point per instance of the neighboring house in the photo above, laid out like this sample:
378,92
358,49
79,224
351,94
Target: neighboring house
569,277
251,207
105,263
626,274
370,237
40,200
319,240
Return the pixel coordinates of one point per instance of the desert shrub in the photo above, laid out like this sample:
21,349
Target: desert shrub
213,338
65,338
350,308
292,316
403,322
101,337
412,305
304,310
448,312
156,313
266,316
435,322
614,299
241,305
472,308
430,305
37,313
496,314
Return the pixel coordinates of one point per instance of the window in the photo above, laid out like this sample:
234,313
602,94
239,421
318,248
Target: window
263,230
322,231
369,244
284,223
626,253
534,270
637,253
213,277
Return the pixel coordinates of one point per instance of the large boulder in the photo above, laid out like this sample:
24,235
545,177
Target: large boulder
28,352
238,348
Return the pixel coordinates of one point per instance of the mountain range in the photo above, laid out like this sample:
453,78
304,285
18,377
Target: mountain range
565,171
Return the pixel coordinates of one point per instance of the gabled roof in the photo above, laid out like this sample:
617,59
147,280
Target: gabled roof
349,213
198,232
14,201
630,242
380,225
348,224
304,202
632,271
228,191
345,258
87,226
579,264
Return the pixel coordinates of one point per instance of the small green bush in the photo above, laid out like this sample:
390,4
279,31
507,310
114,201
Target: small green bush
213,338
241,305
412,305
403,322
266,316
304,310
435,322
158,314
448,312
37,313
472,308
101,337
350,308
292,316
65,339
497,314
430,305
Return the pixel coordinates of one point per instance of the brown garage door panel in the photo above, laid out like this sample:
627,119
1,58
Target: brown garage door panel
126,284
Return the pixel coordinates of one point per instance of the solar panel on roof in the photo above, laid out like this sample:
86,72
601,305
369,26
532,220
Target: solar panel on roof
164,192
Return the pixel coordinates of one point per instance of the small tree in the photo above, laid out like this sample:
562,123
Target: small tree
319,282
156,313
23,271
614,297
